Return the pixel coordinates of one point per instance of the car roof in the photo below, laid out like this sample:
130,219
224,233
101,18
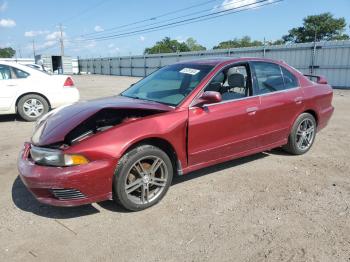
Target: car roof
23,67
227,60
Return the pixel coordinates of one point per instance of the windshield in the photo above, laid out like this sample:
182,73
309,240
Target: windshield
37,69
169,85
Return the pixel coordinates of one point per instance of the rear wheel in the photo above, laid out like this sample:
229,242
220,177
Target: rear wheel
142,177
31,107
302,136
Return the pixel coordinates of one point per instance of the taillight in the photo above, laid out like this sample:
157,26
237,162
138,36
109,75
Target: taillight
69,82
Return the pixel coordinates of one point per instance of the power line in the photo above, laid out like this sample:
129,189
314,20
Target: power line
172,19
86,10
153,18
185,21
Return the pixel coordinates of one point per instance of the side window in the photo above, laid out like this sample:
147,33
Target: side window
268,77
19,73
290,81
5,72
232,83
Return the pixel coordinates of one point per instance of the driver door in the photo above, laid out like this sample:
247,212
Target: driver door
226,129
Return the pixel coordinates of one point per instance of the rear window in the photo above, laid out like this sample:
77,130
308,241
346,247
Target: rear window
290,81
20,73
270,77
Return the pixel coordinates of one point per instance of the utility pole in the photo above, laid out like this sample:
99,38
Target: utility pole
264,50
34,49
313,55
61,41
19,52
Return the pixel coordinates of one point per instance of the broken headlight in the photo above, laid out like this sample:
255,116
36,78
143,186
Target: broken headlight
55,157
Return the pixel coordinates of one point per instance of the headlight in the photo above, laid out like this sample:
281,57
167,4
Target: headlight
54,157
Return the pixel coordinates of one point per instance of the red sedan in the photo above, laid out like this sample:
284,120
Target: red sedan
179,119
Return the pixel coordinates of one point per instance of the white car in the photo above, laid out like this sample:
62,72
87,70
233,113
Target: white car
32,93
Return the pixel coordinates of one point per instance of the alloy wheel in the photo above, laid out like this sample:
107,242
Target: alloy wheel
146,180
305,134
33,107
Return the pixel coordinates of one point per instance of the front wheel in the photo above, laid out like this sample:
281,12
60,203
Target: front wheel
142,177
302,135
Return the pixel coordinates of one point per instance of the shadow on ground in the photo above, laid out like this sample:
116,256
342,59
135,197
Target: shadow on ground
217,168
10,118
25,201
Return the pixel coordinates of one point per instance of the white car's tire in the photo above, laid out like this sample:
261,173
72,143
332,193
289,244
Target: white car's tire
31,107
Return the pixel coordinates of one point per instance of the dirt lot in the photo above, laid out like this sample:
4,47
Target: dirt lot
266,207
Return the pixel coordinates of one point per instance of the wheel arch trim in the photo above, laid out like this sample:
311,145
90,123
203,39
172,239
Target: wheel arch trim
161,143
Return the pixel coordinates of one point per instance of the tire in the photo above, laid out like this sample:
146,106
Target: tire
31,107
142,177
302,135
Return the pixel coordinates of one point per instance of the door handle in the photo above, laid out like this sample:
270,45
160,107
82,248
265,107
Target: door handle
251,110
298,100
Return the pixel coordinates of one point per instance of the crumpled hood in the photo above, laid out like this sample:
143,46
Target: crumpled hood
53,128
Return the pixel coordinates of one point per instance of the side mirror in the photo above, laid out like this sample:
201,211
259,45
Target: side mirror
208,97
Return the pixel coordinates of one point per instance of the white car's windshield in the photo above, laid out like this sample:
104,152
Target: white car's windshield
169,85
37,69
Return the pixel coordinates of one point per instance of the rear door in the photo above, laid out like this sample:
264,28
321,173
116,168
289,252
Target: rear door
281,101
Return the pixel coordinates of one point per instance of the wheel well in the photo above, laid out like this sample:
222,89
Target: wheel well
33,93
313,113
163,145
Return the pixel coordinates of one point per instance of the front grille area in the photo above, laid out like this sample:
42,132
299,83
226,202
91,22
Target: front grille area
67,194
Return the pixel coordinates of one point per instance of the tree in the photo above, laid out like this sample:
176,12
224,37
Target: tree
245,41
167,45
7,52
323,26
276,42
193,45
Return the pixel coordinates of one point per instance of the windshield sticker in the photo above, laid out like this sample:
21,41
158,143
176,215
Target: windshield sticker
190,71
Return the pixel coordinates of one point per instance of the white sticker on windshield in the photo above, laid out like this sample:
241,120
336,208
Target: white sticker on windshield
190,71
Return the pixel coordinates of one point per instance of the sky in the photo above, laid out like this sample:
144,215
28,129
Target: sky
25,21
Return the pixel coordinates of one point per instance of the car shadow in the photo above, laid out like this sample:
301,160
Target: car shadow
25,201
218,167
10,118
279,151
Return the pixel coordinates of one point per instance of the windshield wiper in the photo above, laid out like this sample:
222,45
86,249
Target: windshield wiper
141,98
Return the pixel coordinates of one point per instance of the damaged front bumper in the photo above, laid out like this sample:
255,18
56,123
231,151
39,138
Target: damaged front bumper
67,186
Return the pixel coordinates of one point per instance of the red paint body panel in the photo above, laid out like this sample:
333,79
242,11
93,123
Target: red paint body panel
276,113
221,130
200,136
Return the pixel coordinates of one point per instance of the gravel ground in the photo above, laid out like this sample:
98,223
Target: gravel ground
267,207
